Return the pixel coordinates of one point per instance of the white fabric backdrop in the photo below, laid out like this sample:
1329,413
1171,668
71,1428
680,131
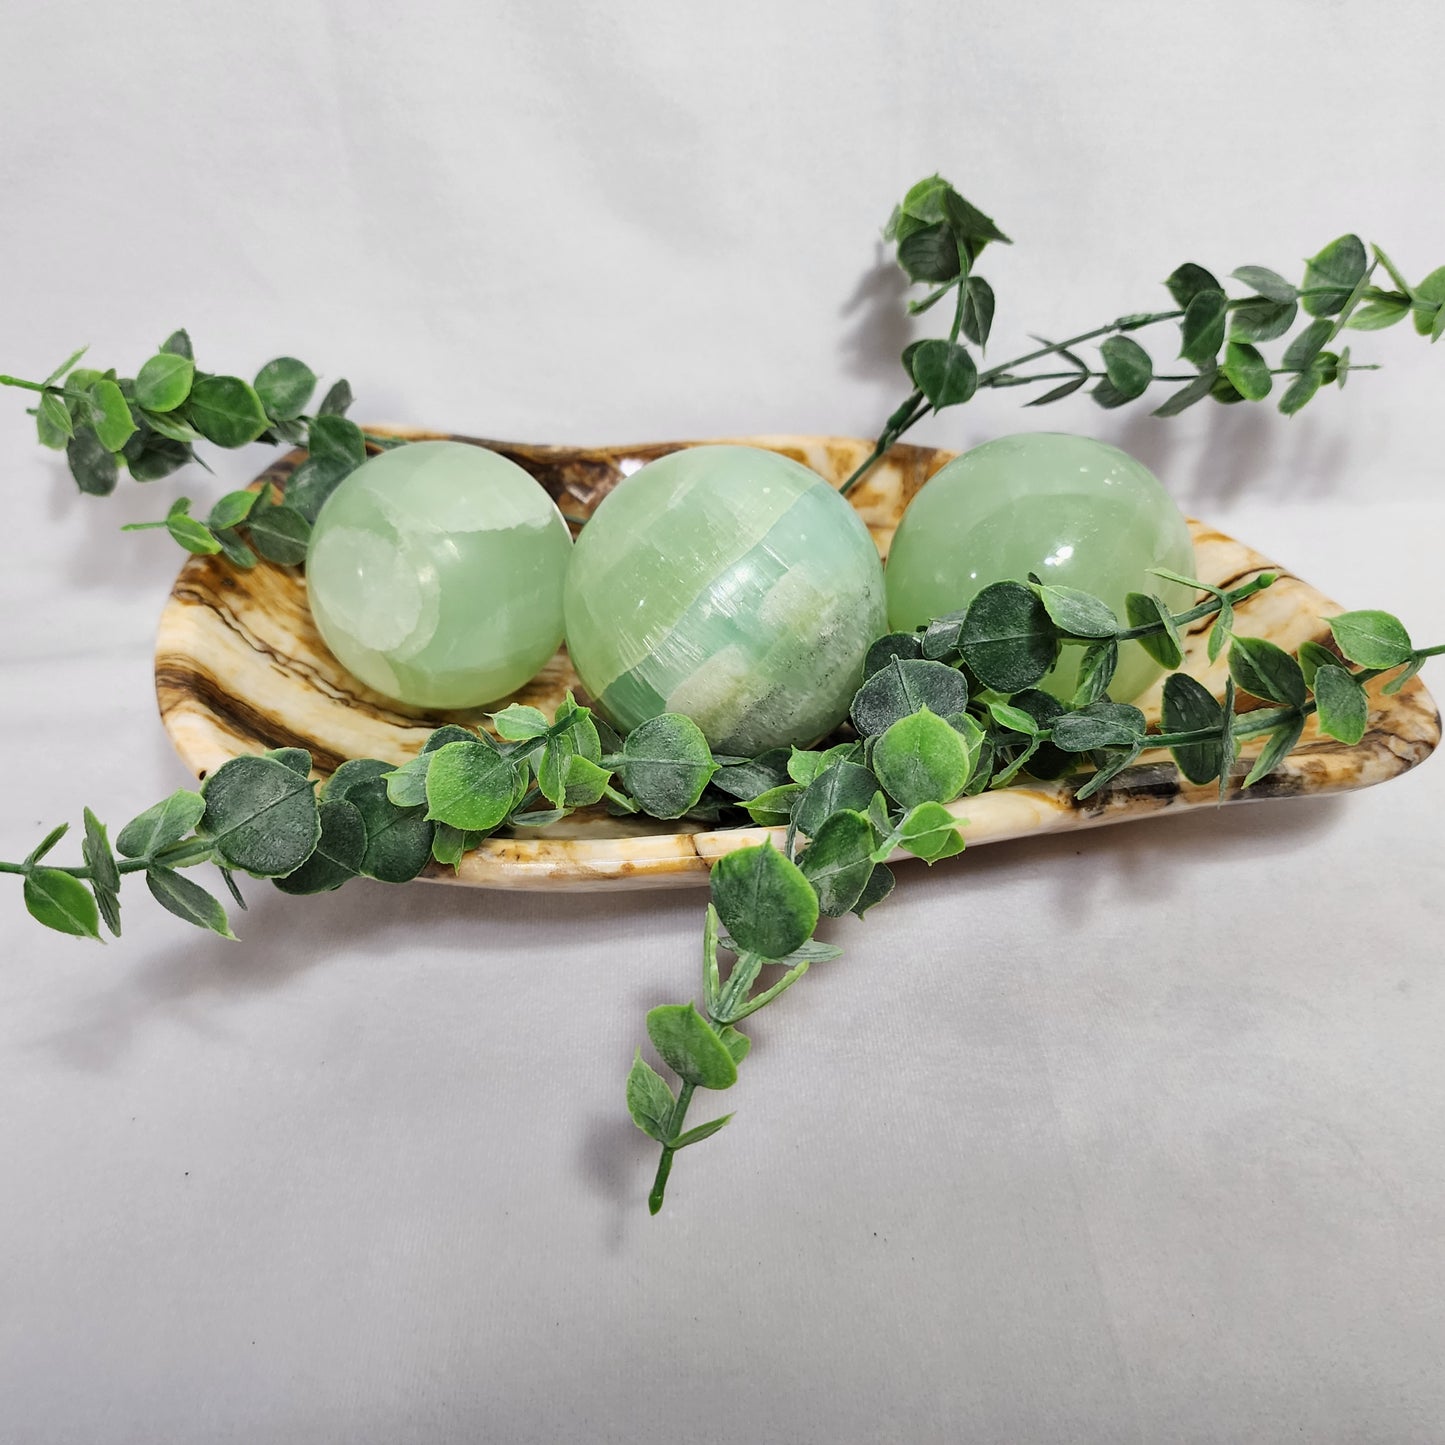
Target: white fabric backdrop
1131,1136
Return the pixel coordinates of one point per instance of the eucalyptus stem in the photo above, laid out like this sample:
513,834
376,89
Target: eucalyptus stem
664,1163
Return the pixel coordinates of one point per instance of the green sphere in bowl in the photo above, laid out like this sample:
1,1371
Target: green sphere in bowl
731,584
1073,511
435,574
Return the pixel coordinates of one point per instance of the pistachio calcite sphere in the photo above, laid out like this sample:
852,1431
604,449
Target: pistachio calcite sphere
435,574
731,584
1073,511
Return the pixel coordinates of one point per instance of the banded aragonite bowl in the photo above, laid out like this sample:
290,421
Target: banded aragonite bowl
240,668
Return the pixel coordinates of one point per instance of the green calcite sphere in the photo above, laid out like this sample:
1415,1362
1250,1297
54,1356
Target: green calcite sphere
435,574
730,584
1073,511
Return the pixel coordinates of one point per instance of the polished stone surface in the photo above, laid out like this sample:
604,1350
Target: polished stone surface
1074,511
731,584
435,574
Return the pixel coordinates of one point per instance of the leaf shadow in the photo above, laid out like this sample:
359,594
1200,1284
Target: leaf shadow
881,326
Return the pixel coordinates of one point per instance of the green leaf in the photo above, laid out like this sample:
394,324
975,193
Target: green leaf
285,386
1059,392
261,816
736,1043
1333,274
231,510
649,1100
701,1132
1164,646
928,831
929,254
978,308
337,399
690,1047
773,808
450,845
944,372
880,884
1186,396
1114,763
1312,656
1108,396
313,482
406,787
236,551
104,875
838,862
1299,393
1128,365
805,765
1188,281
226,411
748,780
171,427
178,343
338,854
1190,707
352,772
1399,680
280,534
61,902
921,759
108,413
1279,745
896,644
398,840
1262,320
842,785
179,895
53,423
1096,671
297,759
1301,352
1013,718
1267,283
1372,639
194,536
335,438
65,366
1202,330
666,763
518,722
47,843
160,825
1431,291
1344,710
1380,309
766,904
968,222
902,687
1222,630
1008,639
164,382
1100,725
1247,370
1265,671
1079,614
470,785
586,782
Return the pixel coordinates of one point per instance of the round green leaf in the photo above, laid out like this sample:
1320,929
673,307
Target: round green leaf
160,825
1165,646
92,463
334,438
352,772
666,763
903,685
225,410
285,386
690,1047
261,816
1344,710
338,855
1431,289
1247,370
1189,707
921,759
765,903
1100,725
1266,671
1128,366
1079,614
398,840
838,862
1008,639
470,785
842,785
1332,275
109,413
649,1100
1202,329
164,382
944,372
1188,281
